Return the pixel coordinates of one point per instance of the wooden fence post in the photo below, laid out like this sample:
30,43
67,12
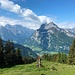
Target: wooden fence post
39,62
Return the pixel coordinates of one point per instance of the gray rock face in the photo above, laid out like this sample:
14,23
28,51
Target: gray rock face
16,33
51,38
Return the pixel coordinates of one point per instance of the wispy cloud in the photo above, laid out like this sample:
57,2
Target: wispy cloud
30,19
27,14
30,24
9,5
66,24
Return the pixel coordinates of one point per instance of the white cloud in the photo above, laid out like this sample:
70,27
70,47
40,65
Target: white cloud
5,20
30,15
9,5
27,14
45,19
30,19
66,25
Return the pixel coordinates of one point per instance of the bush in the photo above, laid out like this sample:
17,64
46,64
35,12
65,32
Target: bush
53,68
42,74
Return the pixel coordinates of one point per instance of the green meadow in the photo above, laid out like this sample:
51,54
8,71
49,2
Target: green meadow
49,68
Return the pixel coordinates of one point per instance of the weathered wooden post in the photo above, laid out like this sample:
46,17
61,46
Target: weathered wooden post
39,62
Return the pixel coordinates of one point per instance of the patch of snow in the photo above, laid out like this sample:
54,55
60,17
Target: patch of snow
50,31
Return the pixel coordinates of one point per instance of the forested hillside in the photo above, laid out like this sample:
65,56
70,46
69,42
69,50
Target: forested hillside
9,56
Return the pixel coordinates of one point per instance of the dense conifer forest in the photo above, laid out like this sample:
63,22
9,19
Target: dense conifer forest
9,56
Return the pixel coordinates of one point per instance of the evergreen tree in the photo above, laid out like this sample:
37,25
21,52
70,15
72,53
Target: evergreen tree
28,60
18,56
1,53
71,56
10,56
9,53
59,57
64,58
54,57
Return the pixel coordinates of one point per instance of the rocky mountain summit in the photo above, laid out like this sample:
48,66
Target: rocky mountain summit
50,38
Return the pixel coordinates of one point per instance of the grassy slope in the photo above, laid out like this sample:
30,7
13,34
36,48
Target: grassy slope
31,69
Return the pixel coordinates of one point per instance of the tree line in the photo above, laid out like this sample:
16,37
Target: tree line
62,57
10,56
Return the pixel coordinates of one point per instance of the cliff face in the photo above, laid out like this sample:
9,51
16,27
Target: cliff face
50,38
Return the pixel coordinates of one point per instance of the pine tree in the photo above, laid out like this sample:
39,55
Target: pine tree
71,56
64,58
18,56
9,53
59,57
1,53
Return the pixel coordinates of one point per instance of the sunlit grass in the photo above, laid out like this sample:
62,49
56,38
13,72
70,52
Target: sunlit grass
48,69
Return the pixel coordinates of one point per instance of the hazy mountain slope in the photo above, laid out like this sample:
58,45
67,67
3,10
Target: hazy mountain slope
26,51
16,33
71,30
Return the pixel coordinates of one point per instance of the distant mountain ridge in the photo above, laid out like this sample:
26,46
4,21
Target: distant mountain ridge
71,30
50,38
16,33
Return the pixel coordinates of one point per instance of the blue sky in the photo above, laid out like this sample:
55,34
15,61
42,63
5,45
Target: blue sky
32,13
